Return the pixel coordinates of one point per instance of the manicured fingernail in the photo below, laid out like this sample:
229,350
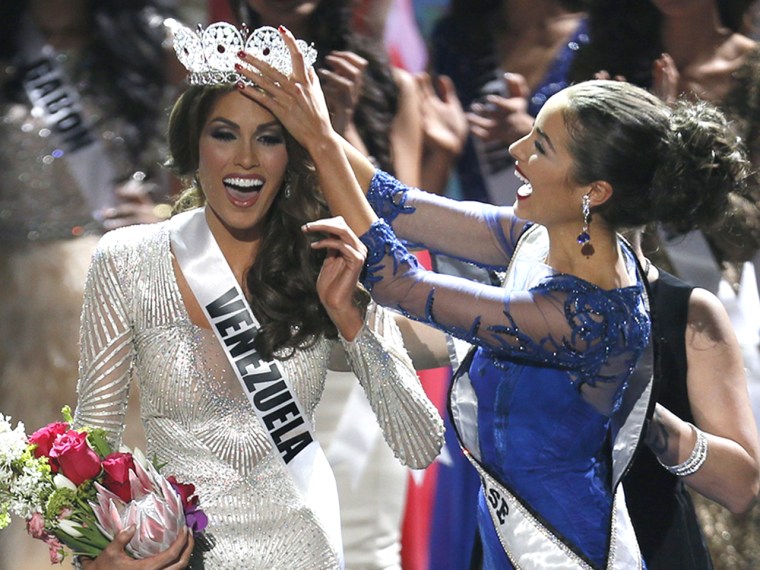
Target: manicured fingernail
241,54
240,85
281,29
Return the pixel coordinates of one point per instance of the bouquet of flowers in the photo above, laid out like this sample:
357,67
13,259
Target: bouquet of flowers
75,492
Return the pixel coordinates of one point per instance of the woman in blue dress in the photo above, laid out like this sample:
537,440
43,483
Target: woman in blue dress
551,403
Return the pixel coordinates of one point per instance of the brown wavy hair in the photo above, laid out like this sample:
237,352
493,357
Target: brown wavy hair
281,282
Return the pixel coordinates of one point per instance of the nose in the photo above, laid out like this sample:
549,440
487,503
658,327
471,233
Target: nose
517,148
246,156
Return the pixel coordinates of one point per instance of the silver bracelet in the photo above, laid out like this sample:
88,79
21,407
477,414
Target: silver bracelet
695,460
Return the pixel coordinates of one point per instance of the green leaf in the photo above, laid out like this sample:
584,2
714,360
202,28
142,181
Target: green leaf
67,415
99,442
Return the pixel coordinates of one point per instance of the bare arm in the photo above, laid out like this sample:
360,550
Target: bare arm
719,401
426,345
406,130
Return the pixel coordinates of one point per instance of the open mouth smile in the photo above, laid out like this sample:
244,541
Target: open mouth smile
526,189
243,192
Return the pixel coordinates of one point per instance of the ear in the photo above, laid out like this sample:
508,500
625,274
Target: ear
599,192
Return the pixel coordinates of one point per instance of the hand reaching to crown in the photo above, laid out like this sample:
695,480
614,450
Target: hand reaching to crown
296,100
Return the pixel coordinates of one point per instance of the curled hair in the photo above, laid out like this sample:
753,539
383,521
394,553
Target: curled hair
281,282
676,166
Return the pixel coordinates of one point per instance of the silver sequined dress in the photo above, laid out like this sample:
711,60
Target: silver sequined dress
199,422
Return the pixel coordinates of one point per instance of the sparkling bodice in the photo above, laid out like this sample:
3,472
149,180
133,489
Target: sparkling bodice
197,419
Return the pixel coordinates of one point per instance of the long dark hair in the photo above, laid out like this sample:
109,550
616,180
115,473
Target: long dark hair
281,282
330,30
125,60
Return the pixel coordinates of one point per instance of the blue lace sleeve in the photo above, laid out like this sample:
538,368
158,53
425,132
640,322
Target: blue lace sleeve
562,321
471,231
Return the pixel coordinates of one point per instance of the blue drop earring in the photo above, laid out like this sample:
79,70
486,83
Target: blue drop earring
584,238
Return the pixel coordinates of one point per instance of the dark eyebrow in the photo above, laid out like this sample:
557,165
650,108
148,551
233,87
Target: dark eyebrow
544,136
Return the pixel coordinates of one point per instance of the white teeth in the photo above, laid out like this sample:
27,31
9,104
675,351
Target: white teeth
521,177
244,182
525,190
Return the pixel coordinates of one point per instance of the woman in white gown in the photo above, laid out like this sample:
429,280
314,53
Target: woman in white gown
144,318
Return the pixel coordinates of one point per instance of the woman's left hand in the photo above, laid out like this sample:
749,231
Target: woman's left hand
296,101
337,280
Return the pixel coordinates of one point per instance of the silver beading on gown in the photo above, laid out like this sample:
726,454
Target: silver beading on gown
197,419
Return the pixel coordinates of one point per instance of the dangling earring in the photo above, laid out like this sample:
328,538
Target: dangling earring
286,190
584,238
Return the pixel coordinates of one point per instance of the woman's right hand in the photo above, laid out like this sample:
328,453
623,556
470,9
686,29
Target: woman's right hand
114,557
297,101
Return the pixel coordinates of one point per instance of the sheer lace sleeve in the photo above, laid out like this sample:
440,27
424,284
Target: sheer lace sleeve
472,231
410,423
106,350
561,321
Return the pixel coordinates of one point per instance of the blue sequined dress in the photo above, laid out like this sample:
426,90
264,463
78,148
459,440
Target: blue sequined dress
553,355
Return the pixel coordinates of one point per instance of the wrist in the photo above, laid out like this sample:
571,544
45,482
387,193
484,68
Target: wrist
694,461
323,144
348,322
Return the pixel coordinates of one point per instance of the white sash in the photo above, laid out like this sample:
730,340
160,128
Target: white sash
265,383
49,89
527,541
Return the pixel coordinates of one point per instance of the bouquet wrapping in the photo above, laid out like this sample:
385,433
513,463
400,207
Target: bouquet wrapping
76,493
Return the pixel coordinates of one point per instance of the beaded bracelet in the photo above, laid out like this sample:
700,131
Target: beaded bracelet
696,458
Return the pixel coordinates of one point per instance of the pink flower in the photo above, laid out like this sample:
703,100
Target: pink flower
186,492
35,526
55,549
155,510
75,458
116,467
45,437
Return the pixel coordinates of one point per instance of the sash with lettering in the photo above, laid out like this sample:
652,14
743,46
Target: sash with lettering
527,539
265,383
50,90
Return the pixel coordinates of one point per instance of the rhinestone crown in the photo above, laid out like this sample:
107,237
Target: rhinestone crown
210,55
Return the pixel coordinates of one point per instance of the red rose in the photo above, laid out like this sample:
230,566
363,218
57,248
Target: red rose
45,437
185,492
75,458
116,467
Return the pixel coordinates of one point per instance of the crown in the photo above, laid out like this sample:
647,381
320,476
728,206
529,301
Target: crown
210,55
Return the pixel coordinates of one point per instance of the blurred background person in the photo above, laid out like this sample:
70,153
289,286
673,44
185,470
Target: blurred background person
82,91
476,44
701,385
